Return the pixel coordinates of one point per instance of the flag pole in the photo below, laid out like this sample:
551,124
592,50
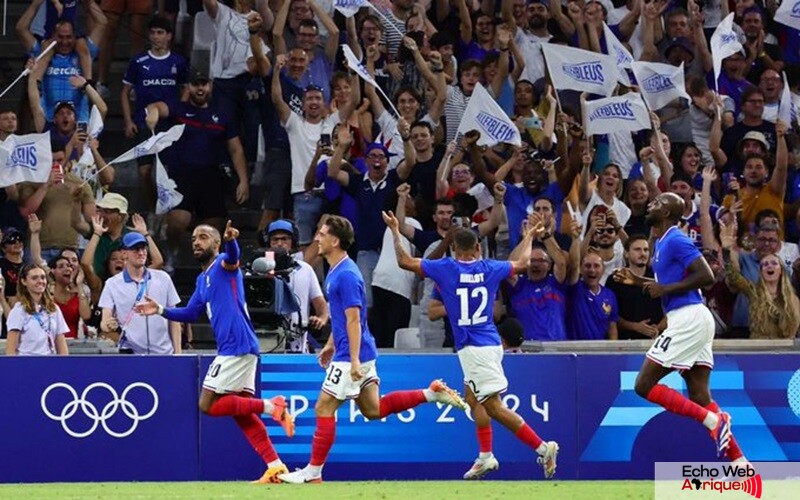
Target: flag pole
26,71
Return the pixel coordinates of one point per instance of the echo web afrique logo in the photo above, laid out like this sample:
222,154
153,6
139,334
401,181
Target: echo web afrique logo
729,477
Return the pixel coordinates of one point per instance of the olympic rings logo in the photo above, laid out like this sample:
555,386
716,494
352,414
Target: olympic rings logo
90,410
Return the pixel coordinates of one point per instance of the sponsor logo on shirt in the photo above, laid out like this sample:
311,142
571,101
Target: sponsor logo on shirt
148,82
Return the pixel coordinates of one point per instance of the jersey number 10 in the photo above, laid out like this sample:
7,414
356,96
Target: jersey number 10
464,297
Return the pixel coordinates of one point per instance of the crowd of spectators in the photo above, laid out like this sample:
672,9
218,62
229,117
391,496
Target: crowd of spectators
277,112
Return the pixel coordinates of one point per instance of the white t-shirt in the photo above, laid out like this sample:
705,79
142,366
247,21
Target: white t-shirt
621,151
230,50
616,262
303,138
37,332
305,286
387,274
388,125
530,46
620,209
789,253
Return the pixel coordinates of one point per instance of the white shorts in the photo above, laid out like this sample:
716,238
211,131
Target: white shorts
483,370
340,385
232,374
687,340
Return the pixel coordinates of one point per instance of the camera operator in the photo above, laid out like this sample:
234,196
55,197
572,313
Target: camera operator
303,282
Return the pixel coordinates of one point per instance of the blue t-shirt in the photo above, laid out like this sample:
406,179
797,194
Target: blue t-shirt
590,315
673,254
204,138
155,79
345,288
336,194
55,83
541,307
518,200
468,290
221,294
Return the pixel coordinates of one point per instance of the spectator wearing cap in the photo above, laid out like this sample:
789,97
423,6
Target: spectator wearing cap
155,75
303,283
239,55
138,334
370,191
640,316
61,79
762,191
729,153
54,202
13,247
304,132
194,159
307,38
275,172
761,56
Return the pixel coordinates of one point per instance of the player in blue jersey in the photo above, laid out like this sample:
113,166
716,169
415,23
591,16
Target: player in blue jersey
685,345
350,353
468,286
229,386
155,76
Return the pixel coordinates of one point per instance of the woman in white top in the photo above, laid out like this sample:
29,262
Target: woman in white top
35,324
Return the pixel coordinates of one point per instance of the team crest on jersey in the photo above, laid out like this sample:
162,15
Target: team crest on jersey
174,70
215,118
607,308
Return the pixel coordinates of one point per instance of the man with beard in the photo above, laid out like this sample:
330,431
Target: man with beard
424,161
193,159
593,307
603,239
758,193
137,334
685,345
724,151
229,385
530,35
640,316
761,56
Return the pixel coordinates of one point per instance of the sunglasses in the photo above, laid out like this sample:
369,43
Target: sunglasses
607,230
12,239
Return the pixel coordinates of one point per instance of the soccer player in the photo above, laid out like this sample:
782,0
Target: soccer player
685,345
350,354
229,386
467,286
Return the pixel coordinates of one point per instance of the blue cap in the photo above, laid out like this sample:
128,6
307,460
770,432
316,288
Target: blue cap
280,225
132,239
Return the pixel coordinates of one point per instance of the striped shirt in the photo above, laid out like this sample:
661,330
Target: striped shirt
391,34
454,108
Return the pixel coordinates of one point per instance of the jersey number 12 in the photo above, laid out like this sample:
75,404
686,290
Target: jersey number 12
464,297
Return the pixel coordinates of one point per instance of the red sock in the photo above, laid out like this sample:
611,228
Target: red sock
527,436
323,440
733,452
232,405
397,401
675,402
485,438
255,432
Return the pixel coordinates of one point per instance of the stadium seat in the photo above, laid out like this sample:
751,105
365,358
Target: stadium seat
407,338
204,36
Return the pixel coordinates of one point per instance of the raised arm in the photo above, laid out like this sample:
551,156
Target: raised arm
706,224
564,23
465,21
23,27
254,24
404,260
778,181
403,193
344,141
409,153
332,45
82,84
283,109
34,97
443,171
34,229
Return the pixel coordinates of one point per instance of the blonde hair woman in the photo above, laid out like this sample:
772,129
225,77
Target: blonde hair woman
774,307
35,324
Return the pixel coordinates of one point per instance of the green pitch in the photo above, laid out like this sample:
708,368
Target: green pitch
389,490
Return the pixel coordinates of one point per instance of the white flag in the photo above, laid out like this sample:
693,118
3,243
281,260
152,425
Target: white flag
94,128
486,116
151,146
615,114
168,197
357,66
659,83
581,70
786,111
620,53
789,14
348,8
724,43
25,158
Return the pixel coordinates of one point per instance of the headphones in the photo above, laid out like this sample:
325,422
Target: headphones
295,233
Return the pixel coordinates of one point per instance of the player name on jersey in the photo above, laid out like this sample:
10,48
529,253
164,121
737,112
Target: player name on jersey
471,278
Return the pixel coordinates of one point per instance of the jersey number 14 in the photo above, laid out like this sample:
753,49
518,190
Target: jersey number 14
464,296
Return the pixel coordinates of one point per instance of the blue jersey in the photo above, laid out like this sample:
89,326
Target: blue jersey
590,315
220,293
345,288
55,83
154,79
204,138
541,307
468,290
673,254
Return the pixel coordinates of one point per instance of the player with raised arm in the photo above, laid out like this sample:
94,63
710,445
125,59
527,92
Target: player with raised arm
349,355
685,345
468,287
229,386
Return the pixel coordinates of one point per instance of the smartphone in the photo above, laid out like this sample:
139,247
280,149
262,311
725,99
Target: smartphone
458,221
325,139
83,127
